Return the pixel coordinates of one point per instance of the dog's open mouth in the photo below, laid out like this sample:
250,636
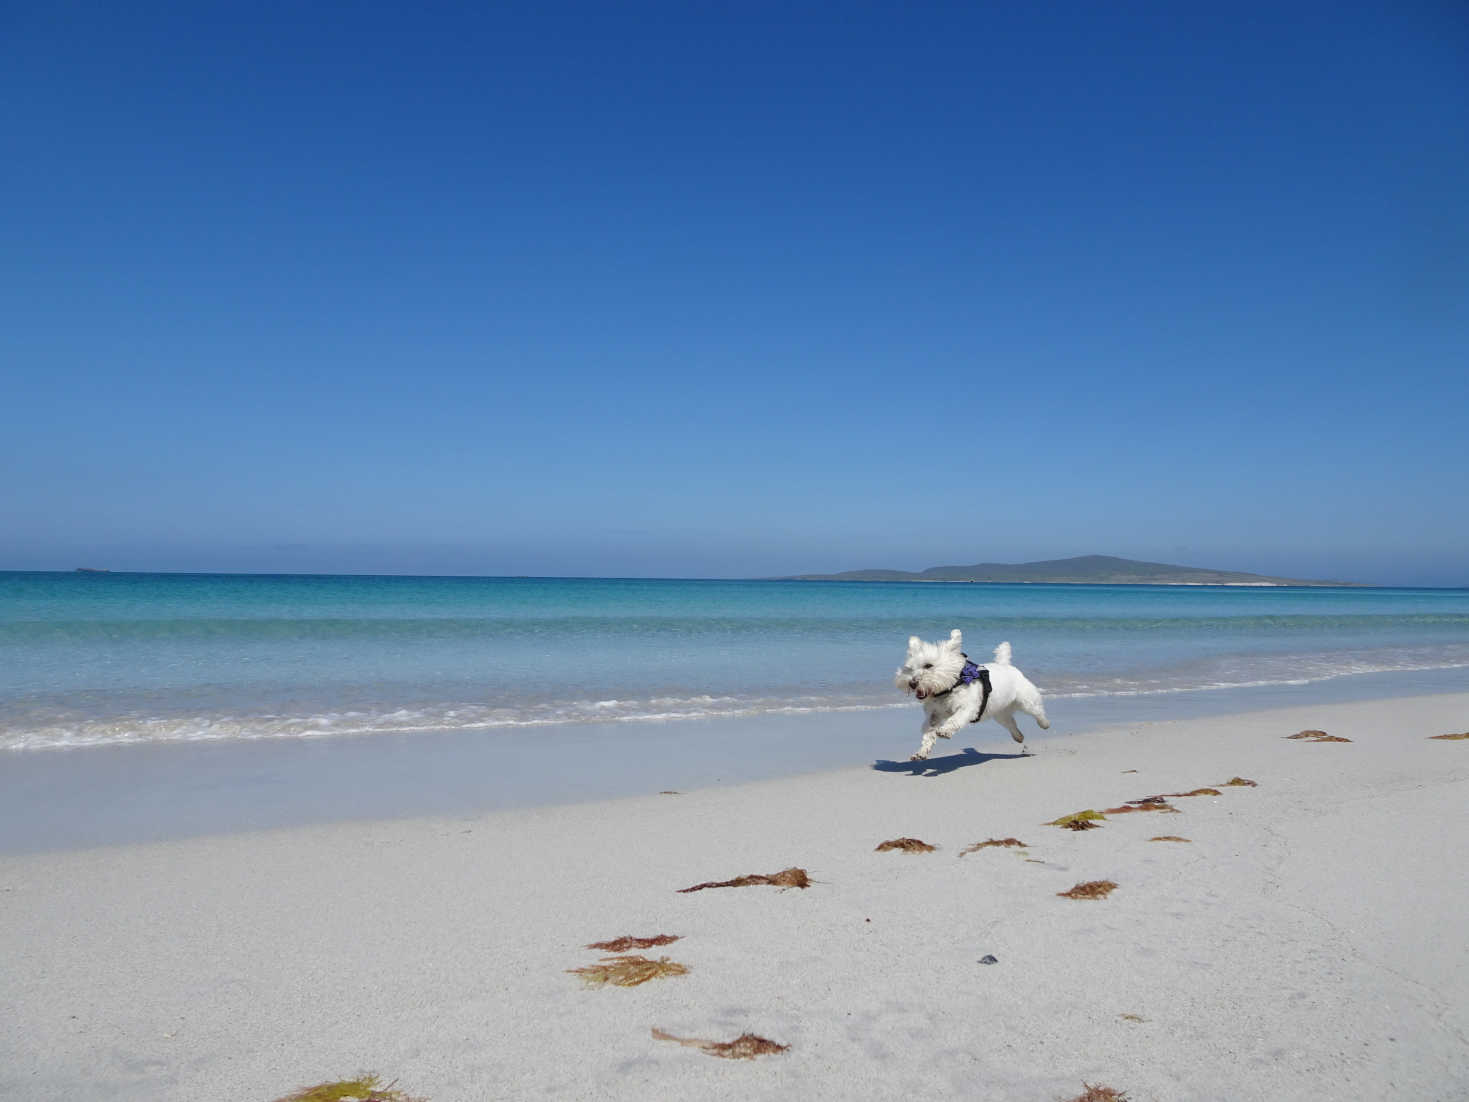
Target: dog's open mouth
920,693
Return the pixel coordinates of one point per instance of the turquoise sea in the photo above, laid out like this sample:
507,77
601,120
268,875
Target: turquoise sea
106,659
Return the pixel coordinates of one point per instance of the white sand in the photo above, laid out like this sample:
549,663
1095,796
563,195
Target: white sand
1308,943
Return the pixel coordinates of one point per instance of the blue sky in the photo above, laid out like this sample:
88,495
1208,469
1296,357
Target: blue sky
698,290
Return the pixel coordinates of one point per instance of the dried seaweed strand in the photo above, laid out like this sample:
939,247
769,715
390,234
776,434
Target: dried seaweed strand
746,1046
1317,736
992,842
906,845
1177,795
1092,1093
367,1087
786,878
627,971
627,941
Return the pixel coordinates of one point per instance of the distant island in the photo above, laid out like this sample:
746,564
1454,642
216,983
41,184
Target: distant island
1081,570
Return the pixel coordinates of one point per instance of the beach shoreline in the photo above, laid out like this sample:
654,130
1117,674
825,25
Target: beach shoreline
1305,942
53,800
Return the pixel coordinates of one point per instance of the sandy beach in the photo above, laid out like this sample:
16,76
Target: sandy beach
1306,941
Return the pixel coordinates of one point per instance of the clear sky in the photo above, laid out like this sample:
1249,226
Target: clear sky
739,289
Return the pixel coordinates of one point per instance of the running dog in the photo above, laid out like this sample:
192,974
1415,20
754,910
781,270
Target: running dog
956,692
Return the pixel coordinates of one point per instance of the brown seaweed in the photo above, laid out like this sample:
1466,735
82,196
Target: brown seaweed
906,845
627,941
1078,820
627,971
1317,736
1177,796
786,878
1091,1093
367,1087
746,1046
1011,842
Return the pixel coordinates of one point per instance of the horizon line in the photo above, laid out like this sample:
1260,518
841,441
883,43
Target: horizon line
95,571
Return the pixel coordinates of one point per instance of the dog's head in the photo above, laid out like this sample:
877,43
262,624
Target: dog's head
931,667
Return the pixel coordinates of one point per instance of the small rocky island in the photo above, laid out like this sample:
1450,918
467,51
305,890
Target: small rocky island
1081,570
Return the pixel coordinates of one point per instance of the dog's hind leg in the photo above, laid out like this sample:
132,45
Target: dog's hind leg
1033,706
1008,722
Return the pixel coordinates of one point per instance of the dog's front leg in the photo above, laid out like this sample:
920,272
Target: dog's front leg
930,735
932,730
935,729
957,720
951,728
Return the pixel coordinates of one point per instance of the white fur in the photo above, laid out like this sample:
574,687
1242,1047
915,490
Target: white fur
931,673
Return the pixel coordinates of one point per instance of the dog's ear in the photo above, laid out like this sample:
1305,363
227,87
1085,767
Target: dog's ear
956,639
914,643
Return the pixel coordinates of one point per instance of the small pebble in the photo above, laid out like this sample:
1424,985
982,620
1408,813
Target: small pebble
987,959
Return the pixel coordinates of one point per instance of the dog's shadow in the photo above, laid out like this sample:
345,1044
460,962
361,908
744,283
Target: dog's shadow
934,767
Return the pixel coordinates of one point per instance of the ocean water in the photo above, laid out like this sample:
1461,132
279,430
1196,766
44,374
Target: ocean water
107,659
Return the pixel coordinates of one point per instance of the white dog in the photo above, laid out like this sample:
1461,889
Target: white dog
956,691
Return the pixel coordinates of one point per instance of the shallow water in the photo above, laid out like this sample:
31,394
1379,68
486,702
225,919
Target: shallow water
116,659
164,791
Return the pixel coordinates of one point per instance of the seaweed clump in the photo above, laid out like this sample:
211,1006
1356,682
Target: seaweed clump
992,842
746,1046
1317,736
1090,889
1079,820
1450,738
367,1087
907,845
1092,1093
1239,782
786,878
623,944
1169,838
627,971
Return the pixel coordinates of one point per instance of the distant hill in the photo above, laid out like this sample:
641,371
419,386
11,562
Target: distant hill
1082,570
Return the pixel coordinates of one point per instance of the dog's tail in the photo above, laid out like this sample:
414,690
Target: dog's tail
1002,654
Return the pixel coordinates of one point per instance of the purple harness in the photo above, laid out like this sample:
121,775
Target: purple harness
971,673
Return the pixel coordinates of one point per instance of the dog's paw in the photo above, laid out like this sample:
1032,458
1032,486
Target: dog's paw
920,756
